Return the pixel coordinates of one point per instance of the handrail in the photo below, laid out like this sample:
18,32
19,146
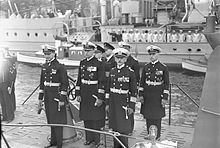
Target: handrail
110,133
190,98
113,134
209,111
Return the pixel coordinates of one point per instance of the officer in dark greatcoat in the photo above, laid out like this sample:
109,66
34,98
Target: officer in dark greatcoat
154,89
133,64
121,95
90,93
53,90
7,79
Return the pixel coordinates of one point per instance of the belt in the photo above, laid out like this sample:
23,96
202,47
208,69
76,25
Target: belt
88,82
154,83
50,84
118,91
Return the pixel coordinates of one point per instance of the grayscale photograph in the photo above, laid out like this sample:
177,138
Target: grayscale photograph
109,73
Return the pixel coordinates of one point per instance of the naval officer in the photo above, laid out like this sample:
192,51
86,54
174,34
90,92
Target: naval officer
90,93
121,96
53,90
154,89
134,65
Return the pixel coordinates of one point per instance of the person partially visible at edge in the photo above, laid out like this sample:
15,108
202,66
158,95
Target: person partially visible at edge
154,90
53,92
13,72
109,62
121,96
100,55
90,93
109,58
133,63
99,52
7,85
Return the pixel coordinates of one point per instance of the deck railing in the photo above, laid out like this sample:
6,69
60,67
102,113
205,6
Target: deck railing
184,92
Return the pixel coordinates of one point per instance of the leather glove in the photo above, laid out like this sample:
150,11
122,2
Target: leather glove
98,102
78,98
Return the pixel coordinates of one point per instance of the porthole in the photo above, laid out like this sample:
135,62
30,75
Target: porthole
198,50
15,34
7,34
36,34
28,34
45,34
174,49
189,49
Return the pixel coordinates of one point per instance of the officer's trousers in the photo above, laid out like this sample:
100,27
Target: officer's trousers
57,136
92,136
156,122
6,102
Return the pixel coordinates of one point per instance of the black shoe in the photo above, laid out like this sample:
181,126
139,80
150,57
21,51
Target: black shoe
87,142
50,145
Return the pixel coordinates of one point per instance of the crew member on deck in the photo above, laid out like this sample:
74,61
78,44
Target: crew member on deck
7,80
121,95
53,91
109,58
154,89
134,65
90,93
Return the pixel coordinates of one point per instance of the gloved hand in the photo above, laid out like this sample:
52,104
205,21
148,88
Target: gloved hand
140,99
165,96
164,102
107,108
61,103
9,90
130,111
98,102
78,98
63,98
40,106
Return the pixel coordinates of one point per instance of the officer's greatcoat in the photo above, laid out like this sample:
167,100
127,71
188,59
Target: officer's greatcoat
90,84
154,85
122,90
7,78
54,81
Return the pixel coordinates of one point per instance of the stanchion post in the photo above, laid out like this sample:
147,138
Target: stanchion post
170,103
